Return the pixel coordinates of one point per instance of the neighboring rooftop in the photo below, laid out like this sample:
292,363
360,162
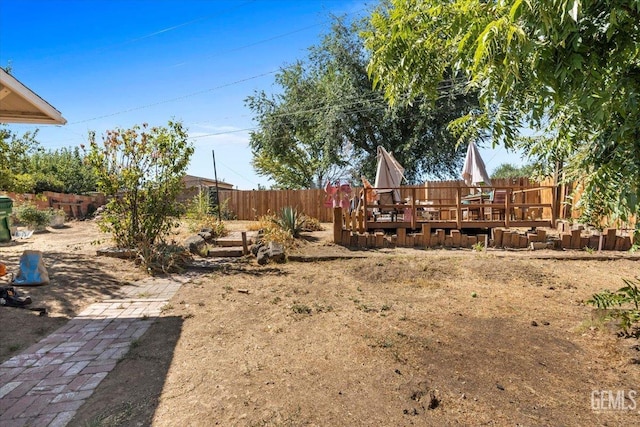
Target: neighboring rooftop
197,181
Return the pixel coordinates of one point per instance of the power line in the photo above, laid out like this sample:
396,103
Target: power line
179,98
239,174
370,97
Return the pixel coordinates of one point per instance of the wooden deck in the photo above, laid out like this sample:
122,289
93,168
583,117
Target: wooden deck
448,225
451,217
455,208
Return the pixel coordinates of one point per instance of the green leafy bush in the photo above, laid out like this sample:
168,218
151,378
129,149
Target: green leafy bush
141,169
200,215
25,166
623,305
31,216
199,206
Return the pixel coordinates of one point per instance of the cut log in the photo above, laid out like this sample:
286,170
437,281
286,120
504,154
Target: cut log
575,239
402,236
455,237
610,239
497,237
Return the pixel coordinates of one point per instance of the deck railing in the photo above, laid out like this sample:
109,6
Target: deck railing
521,206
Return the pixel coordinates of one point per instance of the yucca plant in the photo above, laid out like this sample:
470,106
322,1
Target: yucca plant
289,219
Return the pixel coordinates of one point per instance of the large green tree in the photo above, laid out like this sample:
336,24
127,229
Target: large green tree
288,146
568,69
329,119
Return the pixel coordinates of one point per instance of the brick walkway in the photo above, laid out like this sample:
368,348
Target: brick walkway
47,383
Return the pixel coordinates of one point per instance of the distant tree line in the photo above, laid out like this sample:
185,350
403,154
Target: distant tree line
26,167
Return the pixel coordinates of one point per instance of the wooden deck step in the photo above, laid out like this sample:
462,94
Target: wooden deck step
226,243
225,252
235,239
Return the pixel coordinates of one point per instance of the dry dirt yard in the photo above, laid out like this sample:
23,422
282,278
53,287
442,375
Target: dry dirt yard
386,338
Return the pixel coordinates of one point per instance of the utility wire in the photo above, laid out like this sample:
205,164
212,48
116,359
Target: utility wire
179,98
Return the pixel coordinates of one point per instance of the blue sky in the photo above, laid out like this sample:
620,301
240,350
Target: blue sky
116,63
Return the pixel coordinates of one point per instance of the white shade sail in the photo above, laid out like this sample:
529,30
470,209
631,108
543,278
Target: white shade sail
389,173
474,171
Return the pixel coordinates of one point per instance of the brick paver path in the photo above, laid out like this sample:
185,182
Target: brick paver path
49,381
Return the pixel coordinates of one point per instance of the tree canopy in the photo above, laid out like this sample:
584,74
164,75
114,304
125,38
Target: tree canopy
508,170
26,167
568,69
141,169
14,160
328,120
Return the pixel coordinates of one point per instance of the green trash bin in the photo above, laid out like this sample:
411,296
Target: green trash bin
6,205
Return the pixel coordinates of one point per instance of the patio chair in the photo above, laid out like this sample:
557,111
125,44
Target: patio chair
386,203
498,197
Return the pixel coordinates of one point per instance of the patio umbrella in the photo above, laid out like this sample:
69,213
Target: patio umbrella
474,171
389,172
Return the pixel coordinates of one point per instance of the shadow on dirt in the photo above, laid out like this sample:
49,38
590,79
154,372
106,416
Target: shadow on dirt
73,276
310,238
76,281
130,394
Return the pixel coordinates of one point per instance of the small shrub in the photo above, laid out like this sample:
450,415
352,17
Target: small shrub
264,222
225,212
623,305
163,258
272,232
312,224
279,235
199,205
478,247
218,228
31,216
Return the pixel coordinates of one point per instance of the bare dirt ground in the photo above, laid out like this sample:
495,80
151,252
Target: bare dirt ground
394,338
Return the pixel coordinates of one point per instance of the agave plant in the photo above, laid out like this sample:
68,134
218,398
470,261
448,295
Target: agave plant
290,220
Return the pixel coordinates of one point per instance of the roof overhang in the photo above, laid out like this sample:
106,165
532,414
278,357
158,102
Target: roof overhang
19,104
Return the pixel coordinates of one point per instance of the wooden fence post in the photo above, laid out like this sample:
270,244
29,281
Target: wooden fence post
337,225
458,208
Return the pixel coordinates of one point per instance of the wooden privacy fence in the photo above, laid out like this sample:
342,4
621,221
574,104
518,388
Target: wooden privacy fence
250,205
